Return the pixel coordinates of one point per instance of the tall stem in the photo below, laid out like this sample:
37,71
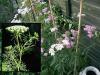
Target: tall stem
20,51
51,11
78,36
18,46
33,10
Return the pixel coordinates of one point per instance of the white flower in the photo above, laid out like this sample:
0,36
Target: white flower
45,10
45,54
56,47
54,29
52,52
17,29
42,50
23,11
40,14
53,46
19,11
23,3
42,39
15,15
59,47
63,35
47,20
43,2
16,21
65,42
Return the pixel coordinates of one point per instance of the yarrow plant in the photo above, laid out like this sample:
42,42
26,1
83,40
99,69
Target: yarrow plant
54,48
17,29
13,54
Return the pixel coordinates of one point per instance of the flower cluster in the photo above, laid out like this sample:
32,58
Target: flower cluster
17,29
54,48
90,29
43,52
53,29
45,10
68,40
49,18
23,11
68,43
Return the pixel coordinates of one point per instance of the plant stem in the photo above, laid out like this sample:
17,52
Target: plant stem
51,11
53,22
15,62
33,9
78,37
20,51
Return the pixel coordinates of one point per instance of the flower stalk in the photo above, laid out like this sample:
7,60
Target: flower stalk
17,31
78,37
33,10
51,13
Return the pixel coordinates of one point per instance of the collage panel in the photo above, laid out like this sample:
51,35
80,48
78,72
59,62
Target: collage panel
21,47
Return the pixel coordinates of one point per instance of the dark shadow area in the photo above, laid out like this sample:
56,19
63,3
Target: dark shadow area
90,73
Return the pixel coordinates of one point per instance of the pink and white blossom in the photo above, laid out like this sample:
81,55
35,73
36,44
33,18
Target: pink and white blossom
90,29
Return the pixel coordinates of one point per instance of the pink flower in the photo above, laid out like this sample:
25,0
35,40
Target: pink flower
45,10
68,43
90,35
74,32
90,29
50,18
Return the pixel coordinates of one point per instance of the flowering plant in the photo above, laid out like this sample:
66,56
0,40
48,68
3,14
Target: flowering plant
12,57
62,52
